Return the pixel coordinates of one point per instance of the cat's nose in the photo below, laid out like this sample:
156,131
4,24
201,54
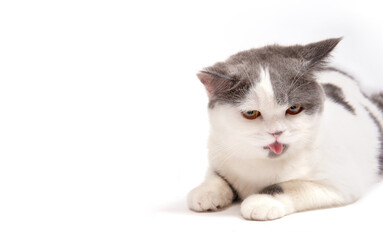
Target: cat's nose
276,134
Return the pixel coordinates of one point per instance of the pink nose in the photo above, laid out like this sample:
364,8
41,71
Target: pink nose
276,134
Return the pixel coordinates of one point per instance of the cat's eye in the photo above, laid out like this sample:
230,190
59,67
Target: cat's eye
295,109
253,114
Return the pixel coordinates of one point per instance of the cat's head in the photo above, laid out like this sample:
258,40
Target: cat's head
267,99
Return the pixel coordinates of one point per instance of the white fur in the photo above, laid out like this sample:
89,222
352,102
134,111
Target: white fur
262,207
211,195
331,159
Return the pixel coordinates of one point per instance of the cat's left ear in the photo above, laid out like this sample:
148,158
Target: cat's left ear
317,53
214,83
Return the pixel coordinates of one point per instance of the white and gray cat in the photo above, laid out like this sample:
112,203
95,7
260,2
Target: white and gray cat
288,133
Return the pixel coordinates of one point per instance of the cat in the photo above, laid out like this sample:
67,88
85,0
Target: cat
288,133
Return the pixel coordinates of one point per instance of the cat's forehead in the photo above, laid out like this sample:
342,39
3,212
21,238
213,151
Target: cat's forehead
289,70
270,76
261,94
268,68
251,62
275,91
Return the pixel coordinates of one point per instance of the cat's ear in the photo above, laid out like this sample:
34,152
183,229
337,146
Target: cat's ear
214,83
317,53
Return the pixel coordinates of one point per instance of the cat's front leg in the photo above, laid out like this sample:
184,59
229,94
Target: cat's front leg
285,198
214,193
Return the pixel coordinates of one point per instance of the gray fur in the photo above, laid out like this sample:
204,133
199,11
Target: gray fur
336,94
380,128
291,72
378,100
272,190
339,71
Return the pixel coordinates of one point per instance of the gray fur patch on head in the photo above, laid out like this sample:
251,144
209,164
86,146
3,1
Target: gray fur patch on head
298,89
336,95
291,73
223,88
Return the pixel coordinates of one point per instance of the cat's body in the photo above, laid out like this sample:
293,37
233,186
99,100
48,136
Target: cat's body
287,133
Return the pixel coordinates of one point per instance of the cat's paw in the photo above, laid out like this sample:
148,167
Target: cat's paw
262,207
209,198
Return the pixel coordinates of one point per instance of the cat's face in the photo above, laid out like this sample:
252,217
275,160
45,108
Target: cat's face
267,100
268,126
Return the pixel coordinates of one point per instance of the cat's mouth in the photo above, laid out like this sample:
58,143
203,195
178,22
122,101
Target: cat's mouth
275,147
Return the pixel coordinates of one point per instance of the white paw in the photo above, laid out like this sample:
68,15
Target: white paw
209,198
262,207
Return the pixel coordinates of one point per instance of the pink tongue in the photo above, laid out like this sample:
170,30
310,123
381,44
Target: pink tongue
276,147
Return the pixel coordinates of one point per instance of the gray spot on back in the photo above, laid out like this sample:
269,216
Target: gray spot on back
339,71
336,95
380,129
272,190
378,100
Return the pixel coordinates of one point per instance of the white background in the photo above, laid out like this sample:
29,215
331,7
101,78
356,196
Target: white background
103,123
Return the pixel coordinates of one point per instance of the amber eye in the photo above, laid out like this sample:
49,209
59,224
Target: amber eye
294,109
253,114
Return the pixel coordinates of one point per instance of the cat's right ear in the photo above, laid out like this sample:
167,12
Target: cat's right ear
214,84
316,54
